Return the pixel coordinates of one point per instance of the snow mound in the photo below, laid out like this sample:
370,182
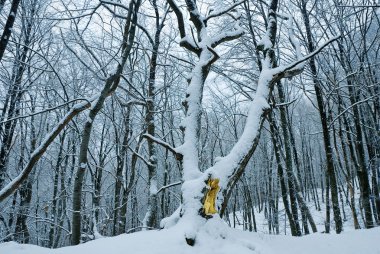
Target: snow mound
215,237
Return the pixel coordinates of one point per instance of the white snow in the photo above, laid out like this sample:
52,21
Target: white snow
188,40
153,187
172,220
89,120
265,42
216,238
292,38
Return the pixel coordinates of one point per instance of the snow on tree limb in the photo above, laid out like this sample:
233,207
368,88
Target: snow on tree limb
226,167
185,41
292,40
44,111
40,150
288,69
218,13
227,36
168,186
140,157
166,145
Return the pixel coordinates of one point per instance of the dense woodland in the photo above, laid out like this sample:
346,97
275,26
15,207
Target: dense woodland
116,114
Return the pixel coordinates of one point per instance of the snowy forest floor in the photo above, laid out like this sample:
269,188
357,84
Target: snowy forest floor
217,238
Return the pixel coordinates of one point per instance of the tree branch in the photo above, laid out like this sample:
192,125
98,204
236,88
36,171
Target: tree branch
166,145
40,150
222,12
290,70
141,157
42,111
168,186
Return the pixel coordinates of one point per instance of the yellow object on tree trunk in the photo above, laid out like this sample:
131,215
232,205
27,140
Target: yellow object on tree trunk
209,203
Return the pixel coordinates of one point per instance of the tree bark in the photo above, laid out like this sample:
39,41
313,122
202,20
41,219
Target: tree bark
324,122
110,86
7,32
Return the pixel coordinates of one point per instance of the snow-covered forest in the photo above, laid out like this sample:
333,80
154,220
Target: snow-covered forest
189,119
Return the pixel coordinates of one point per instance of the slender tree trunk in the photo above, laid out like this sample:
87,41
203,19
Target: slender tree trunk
324,122
21,229
150,219
362,171
110,86
126,185
328,207
53,216
11,106
281,176
97,181
7,32
288,160
121,171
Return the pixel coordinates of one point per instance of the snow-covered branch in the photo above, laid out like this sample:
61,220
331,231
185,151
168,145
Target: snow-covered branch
168,186
291,69
181,27
292,38
40,150
132,102
227,36
165,145
225,168
217,13
43,111
141,157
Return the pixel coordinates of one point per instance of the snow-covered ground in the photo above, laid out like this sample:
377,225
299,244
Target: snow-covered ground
216,238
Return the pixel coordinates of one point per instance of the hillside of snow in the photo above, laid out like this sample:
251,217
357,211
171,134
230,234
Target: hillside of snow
216,238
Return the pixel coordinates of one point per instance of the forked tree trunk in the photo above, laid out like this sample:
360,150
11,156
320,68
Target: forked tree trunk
228,169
